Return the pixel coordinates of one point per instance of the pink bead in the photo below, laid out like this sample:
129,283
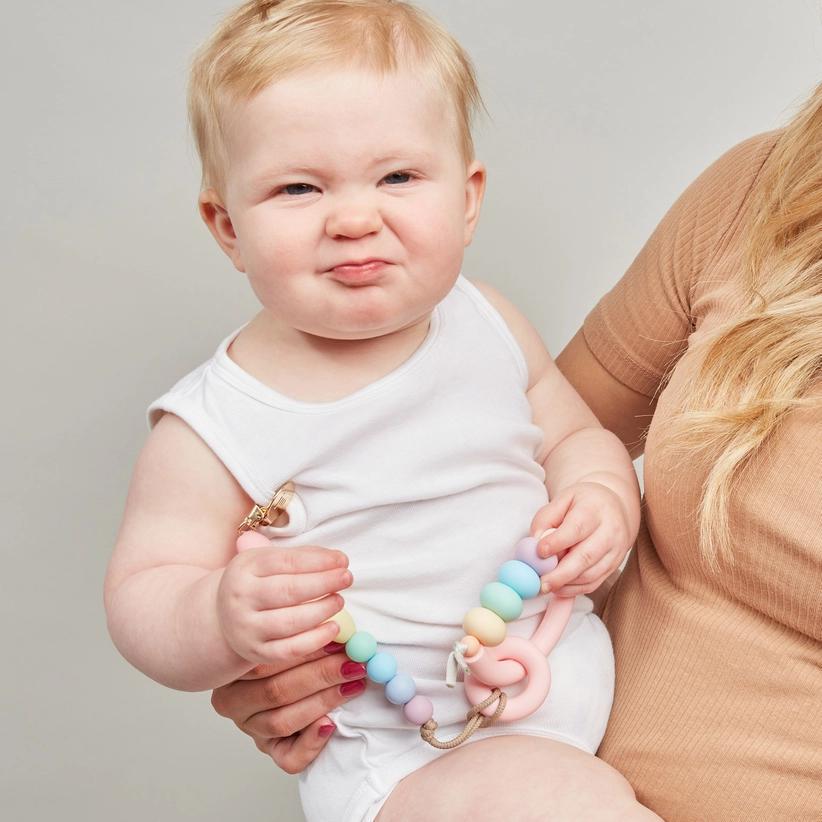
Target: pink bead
526,551
252,539
419,710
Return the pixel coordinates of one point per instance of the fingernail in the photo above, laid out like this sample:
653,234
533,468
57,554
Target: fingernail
546,587
326,730
333,648
352,688
353,670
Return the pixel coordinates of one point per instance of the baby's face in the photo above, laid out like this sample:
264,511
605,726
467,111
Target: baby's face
348,201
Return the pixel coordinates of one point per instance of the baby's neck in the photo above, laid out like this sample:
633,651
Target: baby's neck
317,369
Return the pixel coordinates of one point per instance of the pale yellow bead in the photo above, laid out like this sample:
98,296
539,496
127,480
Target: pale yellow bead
347,626
485,625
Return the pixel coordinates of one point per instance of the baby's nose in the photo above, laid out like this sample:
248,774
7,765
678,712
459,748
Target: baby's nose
353,219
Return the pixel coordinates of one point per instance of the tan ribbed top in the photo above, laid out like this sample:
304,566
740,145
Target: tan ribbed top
718,708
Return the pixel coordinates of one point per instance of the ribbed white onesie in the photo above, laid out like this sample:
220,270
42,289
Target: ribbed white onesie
426,479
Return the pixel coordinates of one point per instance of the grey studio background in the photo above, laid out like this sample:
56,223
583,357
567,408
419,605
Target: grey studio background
601,112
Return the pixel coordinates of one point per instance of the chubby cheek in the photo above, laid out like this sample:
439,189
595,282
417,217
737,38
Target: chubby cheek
440,248
274,253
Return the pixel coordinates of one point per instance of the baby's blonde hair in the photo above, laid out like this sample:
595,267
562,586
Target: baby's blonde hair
266,40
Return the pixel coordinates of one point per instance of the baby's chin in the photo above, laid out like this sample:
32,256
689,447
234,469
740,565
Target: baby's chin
364,332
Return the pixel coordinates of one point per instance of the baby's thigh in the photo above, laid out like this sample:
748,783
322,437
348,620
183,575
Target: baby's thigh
515,777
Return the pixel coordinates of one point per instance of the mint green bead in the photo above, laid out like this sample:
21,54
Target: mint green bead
361,647
502,600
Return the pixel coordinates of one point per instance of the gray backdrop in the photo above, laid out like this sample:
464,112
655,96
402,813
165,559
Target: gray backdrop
601,112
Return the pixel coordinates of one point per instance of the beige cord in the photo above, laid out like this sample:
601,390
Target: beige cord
474,721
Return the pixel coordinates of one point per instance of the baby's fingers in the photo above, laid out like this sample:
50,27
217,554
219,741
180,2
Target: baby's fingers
267,562
552,514
279,623
577,525
283,590
583,557
284,651
588,581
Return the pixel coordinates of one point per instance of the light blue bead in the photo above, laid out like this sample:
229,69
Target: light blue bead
361,647
502,600
400,689
381,667
521,577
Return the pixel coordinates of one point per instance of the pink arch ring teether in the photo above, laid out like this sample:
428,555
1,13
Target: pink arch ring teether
515,659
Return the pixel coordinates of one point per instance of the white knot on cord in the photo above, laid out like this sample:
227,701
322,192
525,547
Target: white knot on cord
456,662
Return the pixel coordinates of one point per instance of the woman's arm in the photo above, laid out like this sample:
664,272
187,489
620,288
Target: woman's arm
618,408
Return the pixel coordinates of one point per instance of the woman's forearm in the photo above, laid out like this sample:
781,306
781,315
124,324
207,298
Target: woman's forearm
164,622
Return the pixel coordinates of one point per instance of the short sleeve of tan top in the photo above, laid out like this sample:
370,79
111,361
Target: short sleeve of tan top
718,706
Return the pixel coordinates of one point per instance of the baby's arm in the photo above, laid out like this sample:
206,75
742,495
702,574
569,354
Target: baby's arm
182,605
592,486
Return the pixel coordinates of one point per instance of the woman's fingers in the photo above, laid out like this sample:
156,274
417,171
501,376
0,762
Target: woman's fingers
243,699
293,589
295,753
289,719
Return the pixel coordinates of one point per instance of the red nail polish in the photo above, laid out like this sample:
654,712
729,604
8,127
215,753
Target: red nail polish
333,648
326,730
353,670
352,688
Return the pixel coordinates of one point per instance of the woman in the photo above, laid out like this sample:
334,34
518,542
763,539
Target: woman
714,336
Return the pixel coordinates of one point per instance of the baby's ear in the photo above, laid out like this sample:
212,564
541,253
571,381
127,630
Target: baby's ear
474,191
216,217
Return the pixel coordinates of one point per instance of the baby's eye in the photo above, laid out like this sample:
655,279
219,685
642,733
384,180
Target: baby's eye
296,189
397,177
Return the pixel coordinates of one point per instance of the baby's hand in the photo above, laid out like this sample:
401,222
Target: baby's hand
272,603
591,539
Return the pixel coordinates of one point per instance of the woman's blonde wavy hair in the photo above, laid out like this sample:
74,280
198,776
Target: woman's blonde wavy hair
767,360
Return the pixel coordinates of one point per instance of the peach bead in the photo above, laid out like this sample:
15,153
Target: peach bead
471,643
485,625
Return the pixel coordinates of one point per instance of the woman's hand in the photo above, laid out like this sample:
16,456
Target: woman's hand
592,534
283,709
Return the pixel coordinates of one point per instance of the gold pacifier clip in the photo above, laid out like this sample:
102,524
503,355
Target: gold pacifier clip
270,514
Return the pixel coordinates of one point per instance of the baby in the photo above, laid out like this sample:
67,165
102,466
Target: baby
419,417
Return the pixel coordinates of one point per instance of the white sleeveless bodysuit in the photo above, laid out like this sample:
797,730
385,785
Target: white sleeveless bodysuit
426,479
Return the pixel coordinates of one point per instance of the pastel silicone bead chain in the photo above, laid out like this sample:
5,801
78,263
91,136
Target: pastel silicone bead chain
492,659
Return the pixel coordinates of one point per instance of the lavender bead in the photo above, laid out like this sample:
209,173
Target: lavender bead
400,689
418,710
526,551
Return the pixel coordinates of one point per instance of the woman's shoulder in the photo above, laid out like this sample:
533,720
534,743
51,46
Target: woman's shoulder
719,194
746,157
